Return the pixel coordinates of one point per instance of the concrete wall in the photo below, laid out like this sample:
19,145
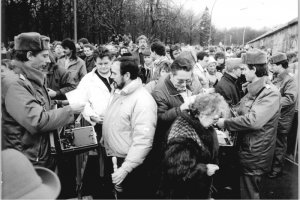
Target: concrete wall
285,40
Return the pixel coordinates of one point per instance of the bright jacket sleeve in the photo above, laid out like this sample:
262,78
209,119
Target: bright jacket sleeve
144,120
27,111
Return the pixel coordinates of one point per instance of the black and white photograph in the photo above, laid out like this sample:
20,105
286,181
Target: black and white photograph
149,99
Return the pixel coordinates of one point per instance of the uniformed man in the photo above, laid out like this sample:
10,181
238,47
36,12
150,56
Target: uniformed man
288,90
256,124
26,116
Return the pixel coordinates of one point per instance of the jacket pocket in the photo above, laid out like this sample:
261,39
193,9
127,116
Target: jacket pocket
246,144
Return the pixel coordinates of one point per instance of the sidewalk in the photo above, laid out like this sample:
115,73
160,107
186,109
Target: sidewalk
283,187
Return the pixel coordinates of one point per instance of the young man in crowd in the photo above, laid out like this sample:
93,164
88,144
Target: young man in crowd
200,68
74,65
88,50
220,58
81,43
94,90
59,81
158,55
227,86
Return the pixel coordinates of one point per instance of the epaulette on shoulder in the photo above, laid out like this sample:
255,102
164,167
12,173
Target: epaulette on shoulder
22,77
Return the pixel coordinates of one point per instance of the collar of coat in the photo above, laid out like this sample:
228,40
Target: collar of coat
254,88
170,87
89,58
282,75
29,72
131,87
160,59
72,61
187,126
229,77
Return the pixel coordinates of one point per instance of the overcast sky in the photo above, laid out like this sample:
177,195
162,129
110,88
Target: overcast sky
239,13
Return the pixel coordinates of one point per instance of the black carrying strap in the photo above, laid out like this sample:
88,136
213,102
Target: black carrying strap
260,91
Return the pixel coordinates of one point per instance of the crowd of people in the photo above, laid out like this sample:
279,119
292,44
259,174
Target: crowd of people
156,110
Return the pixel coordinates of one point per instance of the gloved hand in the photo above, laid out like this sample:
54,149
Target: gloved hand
118,176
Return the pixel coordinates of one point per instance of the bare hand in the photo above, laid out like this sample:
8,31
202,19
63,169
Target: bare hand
220,123
211,169
97,119
208,90
77,108
185,106
51,93
118,176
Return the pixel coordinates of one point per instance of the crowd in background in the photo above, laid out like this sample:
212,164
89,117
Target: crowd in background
155,107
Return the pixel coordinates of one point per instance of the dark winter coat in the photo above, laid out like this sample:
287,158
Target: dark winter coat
257,124
89,63
288,90
76,68
189,148
228,88
27,119
59,80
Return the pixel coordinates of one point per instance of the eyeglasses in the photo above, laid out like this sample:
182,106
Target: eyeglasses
181,81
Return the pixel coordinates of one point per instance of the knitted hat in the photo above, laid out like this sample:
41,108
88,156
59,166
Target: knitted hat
254,56
22,181
31,41
278,57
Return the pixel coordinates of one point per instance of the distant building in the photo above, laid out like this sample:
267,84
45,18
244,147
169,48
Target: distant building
283,38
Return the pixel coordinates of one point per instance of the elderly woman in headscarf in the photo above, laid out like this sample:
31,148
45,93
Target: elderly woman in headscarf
191,152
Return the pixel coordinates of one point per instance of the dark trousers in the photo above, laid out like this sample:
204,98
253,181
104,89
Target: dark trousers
250,186
280,150
292,135
135,184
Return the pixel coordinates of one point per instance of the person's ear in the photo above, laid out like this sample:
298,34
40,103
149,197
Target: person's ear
127,76
29,55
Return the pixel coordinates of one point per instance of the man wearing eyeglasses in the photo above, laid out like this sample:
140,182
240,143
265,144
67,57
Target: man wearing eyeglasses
172,95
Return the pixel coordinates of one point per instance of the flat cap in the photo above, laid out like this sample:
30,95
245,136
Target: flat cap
185,59
233,63
278,57
31,41
254,56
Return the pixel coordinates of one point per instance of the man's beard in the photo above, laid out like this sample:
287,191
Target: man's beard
119,86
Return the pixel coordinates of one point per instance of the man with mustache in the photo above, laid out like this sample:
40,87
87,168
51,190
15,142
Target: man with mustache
128,128
142,42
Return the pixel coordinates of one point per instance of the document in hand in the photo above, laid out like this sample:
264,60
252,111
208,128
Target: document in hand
223,138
